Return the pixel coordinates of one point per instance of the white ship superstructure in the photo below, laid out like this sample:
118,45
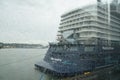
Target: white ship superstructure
88,24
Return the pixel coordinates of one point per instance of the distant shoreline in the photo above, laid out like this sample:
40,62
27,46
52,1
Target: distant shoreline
22,45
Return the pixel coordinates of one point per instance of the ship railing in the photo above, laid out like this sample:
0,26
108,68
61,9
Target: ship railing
109,65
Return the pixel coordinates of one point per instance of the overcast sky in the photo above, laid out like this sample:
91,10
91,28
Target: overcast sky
33,21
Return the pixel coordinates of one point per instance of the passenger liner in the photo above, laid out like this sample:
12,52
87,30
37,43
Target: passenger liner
88,39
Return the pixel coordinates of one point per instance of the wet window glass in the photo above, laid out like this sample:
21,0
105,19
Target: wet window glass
60,39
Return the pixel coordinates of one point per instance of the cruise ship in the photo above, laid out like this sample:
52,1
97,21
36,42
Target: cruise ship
88,39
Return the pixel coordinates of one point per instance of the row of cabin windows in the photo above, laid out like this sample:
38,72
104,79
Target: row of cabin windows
79,24
79,19
80,14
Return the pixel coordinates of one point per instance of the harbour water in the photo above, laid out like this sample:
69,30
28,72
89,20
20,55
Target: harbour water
18,64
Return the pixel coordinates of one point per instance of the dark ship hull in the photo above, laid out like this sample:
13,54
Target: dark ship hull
72,59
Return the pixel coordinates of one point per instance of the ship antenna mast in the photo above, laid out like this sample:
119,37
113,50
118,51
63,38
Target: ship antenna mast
109,19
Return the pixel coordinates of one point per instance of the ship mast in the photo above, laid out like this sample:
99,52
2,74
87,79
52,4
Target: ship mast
109,20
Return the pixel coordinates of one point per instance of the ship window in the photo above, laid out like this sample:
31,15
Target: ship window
72,48
89,49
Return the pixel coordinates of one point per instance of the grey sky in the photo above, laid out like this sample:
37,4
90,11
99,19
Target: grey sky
33,21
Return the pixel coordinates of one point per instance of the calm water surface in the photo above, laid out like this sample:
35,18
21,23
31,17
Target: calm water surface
18,64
